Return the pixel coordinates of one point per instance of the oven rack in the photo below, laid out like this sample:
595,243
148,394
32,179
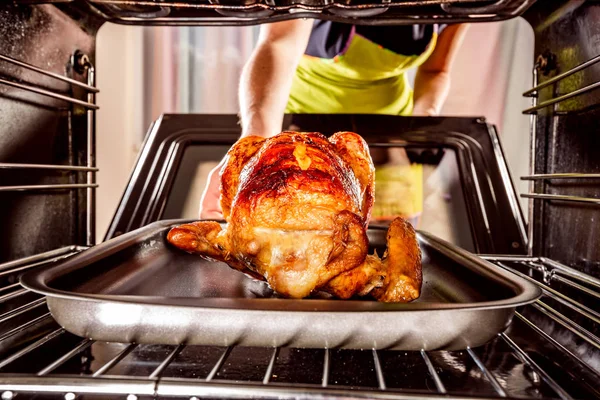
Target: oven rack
520,362
80,62
538,189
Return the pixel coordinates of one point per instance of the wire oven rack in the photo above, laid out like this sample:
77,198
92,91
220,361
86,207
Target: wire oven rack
551,350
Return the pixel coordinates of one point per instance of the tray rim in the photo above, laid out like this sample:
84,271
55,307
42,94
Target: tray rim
37,281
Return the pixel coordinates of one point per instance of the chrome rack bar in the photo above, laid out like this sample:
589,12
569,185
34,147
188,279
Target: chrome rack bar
561,298
18,265
156,373
561,197
22,309
497,387
566,175
115,360
77,384
31,347
12,295
13,286
38,257
567,323
562,98
325,378
219,364
571,272
436,378
48,73
48,93
46,166
46,187
78,349
550,339
532,162
555,266
525,359
378,371
91,155
562,76
574,285
26,325
26,267
269,370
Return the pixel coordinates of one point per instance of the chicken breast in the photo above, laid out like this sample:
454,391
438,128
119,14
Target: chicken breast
297,207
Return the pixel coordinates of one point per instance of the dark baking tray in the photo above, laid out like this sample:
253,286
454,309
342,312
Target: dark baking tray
138,288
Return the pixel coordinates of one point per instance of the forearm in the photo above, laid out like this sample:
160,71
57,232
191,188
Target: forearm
267,77
264,90
431,91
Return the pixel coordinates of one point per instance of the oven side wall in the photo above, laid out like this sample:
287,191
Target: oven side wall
567,134
38,129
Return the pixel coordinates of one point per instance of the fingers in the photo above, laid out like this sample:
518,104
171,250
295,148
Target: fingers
210,207
210,214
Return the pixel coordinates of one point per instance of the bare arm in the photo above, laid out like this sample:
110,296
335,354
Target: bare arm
264,90
267,77
432,81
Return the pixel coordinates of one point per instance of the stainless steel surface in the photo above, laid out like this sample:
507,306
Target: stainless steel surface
141,289
30,67
48,93
45,187
561,197
45,166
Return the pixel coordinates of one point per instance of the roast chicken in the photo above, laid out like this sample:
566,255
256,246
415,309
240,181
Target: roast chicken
297,207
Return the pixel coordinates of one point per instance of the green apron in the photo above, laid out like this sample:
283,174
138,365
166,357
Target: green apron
365,79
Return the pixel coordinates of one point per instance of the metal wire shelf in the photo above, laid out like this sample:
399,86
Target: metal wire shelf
80,62
131,370
533,92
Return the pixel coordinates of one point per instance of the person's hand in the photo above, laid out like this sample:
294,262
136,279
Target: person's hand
210,206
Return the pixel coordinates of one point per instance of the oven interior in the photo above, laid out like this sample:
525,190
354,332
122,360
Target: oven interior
47,202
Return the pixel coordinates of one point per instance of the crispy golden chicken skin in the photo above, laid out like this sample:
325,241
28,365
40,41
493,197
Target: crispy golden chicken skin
297,207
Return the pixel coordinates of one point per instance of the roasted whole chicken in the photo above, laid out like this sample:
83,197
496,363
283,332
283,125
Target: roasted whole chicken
297,207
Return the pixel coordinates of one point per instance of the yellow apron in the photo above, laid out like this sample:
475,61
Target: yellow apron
366,79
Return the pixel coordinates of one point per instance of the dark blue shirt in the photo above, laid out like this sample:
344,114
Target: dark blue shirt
329,39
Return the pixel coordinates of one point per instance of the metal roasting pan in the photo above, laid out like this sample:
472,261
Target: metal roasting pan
138,288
